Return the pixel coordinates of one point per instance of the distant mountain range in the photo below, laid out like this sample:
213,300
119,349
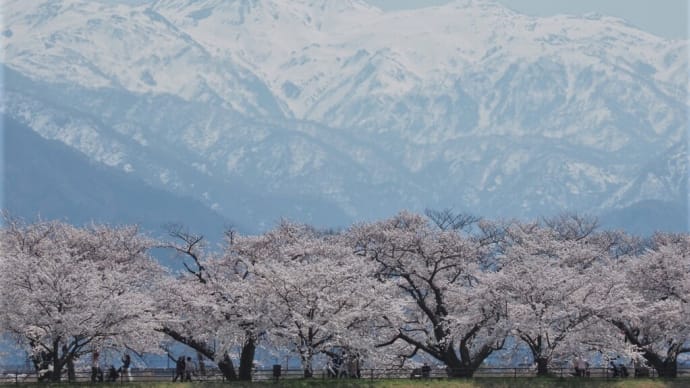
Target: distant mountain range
334,111
49,180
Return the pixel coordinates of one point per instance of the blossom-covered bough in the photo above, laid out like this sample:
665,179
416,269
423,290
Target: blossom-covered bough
209,305
656,314
67,291
315,293
554,275
448,310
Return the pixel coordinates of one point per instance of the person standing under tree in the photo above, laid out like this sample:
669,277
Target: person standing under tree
126,361
426,371
96,374
189,369
179,369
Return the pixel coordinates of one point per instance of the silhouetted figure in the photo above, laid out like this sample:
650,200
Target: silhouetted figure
113,374
189,369
179,369
614,369
126,361
96,372
426,371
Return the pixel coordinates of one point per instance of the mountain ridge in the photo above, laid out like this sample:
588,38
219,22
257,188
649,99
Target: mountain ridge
363,110
46,179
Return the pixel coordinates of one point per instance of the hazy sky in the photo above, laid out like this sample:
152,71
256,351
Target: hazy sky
667,18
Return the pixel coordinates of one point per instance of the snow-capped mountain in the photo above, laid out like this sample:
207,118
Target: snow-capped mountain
346,112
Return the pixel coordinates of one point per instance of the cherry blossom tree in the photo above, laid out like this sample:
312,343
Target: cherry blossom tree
447,286
66,291
450,312
554,277
316,293
209,305
656,313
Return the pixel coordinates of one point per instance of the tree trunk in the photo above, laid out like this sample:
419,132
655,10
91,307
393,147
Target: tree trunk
461,371
536,347
40,364
247,359
306,365
57,362
57,370
71,375
226,366
667,369
200,362
542,366
457,368
308,372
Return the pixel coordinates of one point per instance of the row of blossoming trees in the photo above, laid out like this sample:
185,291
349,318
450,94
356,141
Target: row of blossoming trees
442,286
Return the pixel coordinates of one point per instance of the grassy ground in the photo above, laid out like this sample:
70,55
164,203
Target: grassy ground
435,383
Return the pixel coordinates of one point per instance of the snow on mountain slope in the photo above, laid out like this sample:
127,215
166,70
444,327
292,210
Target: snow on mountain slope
664,178
469,104
99,45
36,166
305,51
470,68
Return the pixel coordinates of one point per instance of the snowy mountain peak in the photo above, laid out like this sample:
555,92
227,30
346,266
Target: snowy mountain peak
492,6
467,102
